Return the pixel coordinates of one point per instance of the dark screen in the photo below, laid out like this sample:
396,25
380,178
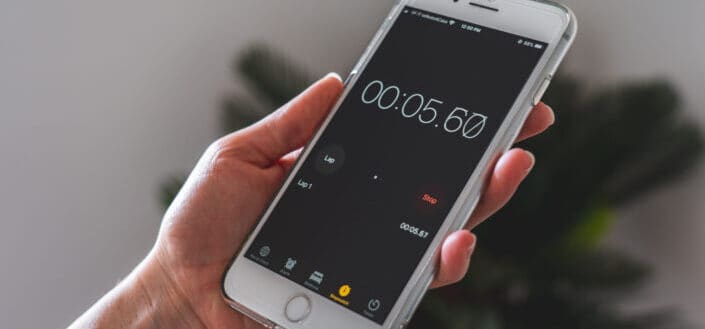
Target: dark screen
365,205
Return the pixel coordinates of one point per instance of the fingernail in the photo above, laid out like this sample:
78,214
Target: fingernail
553,114
471,247
532,162
333,75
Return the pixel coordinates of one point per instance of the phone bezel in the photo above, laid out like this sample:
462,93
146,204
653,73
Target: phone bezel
262,294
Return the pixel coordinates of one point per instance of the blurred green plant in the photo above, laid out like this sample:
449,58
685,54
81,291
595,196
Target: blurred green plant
541,263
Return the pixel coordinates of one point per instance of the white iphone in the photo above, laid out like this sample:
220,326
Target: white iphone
351,238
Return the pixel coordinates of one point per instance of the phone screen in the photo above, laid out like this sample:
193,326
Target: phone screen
365,205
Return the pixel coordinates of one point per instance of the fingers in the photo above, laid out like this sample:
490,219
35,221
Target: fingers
289,160
454,258
540,118
292,126
511,169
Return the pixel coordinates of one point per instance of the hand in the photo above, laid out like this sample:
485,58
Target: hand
230,187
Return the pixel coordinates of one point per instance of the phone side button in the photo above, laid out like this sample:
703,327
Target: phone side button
542,90
350,77
297,308
404,324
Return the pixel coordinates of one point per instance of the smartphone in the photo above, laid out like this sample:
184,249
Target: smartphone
351,239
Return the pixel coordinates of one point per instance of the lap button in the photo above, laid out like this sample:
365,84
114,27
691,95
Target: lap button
297,308
330,159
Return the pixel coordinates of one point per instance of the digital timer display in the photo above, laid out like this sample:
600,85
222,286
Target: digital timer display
415,106
372,193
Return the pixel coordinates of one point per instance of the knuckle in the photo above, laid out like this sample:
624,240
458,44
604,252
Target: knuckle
224,152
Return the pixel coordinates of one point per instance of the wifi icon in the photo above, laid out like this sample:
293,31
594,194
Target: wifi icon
451,22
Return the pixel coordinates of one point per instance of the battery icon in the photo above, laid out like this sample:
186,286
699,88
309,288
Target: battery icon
538,46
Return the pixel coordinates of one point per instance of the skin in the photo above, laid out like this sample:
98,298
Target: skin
178,284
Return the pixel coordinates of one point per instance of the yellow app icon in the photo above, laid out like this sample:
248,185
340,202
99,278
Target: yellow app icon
344,290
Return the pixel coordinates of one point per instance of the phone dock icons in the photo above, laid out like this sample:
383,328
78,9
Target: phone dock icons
316,277
344,290
264,251
373,305
290,264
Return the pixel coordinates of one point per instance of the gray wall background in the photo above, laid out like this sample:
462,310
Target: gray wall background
100,100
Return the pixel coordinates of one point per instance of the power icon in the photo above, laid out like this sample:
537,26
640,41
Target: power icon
373,305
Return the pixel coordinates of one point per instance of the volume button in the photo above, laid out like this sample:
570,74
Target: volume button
352,74
542,90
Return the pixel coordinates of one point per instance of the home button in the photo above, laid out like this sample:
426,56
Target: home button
297,308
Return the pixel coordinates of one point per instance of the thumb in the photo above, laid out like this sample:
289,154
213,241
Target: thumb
291,126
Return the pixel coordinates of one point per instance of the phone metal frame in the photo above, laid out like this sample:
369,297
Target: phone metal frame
262,294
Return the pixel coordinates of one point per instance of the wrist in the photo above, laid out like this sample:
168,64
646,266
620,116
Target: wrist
146,299
165,304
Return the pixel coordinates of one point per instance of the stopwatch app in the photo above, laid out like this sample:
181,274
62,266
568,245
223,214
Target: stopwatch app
362,210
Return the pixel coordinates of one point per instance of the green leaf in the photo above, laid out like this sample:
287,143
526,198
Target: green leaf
588,234
672,154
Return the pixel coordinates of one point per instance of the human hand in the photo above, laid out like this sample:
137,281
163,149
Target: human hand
232,184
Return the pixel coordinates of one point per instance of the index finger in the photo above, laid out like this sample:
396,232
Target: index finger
540,118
